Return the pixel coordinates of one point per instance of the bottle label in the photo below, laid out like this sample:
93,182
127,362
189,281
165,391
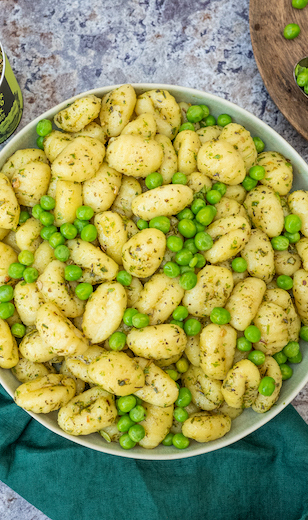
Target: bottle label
11,103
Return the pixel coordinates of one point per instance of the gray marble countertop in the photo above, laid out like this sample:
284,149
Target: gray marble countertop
61,48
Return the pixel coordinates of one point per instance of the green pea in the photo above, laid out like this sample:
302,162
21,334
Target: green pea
126,442
249,183
46,218
213,196
179,178
259,144
89,233
180,313
7,293
72,273
193,262
192,327
188,281
126,403
280,357
195,113
36,211
16,270
26,257
137,413
206,111
257,172
267,386
124,423
197,205
182,365
286,371
83,291
203,241
187,228
210,121
40,142
180,441
153,180
220,316
18,330
140,320
186,213
221,187
47,203
292,223
184,397
24,216
180,414
80,224
206,215
299,69
124,278
84,213
199,227
292,237
303,333
117,341
302,78
171,269
190,245
178,323
30,274
243,345
183,257
296,359
186,269
239,265
128,316
200,261
174,243
257,357
161,223
299,4
224,120
280,243
291,349
44,127
47,231
56,240
62,253
142,224
136,432
168,439
7,310
172,373
69,231
284,282
187,126
291,31
252,333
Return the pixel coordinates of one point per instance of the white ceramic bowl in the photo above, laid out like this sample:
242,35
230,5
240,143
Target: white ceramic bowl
249,421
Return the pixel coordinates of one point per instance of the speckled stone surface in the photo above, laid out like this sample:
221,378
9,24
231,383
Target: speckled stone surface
61,48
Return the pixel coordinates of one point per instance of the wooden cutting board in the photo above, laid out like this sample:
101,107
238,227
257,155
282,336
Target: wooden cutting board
276,56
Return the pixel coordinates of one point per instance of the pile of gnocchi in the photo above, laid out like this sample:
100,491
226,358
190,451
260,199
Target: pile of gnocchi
153,270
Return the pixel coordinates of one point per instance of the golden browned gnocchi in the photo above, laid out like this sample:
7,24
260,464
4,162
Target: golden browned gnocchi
133,264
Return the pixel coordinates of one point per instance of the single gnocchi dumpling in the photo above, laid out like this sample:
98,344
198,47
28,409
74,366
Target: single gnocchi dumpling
143,253
272,321
259,255
298,203
157,341
187,145
143,125
230,235
206,427
165,200
242,141
134,155
278,172
209,133
206,392
79,114
221,162
269,368
45,394
217,348
264,208
244,302
169,165
9,207
117,109
240,387
213,288
164,108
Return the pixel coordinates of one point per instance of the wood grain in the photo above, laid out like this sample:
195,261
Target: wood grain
276,56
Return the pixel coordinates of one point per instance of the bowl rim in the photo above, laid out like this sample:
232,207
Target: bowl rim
198,448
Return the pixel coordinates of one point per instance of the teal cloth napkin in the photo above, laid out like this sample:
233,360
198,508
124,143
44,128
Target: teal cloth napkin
262,477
